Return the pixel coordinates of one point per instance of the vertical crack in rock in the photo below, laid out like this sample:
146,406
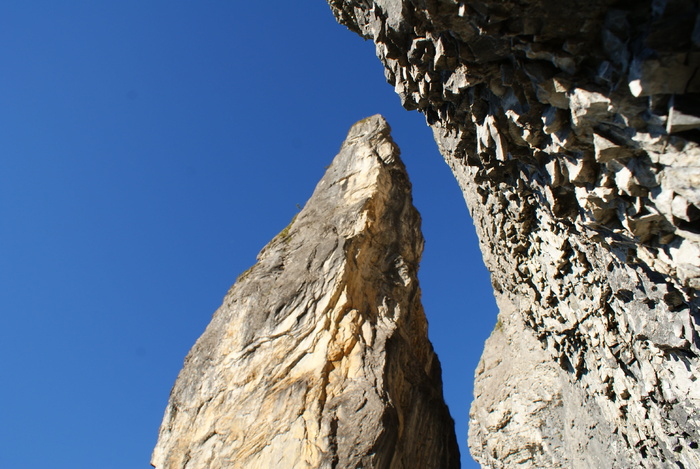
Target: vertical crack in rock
573,129
319,356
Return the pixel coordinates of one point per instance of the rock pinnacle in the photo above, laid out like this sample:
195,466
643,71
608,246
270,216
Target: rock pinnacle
319,355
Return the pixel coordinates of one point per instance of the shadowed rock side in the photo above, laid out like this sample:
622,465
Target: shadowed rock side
572,128
319,355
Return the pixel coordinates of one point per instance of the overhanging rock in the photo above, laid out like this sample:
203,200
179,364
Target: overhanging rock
572,128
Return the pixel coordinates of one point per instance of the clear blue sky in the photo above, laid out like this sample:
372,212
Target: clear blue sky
148,151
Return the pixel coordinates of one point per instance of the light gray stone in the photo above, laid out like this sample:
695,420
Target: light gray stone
594,261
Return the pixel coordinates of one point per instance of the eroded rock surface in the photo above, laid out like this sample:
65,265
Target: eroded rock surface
319,355
572,128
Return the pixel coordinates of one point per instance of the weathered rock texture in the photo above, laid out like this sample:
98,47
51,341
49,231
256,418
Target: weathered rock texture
319,355
572,128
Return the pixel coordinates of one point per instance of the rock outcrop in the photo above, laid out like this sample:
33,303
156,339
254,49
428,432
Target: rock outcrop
319,356
573,130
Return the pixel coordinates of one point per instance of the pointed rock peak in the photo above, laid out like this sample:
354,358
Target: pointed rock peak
319,355
376,132
369,127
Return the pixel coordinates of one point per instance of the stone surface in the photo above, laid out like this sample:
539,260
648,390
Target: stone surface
319,355
572,128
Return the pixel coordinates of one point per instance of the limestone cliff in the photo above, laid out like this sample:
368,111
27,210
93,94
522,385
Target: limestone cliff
319,355
572,128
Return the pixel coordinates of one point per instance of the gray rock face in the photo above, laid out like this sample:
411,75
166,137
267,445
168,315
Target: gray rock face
573,130
319,355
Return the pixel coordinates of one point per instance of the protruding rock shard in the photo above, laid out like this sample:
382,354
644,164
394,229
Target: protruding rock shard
319,355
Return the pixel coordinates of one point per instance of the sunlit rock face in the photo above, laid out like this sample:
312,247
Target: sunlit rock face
573,130
319,355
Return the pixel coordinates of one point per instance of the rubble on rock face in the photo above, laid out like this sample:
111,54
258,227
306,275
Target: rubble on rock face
573,130
319,356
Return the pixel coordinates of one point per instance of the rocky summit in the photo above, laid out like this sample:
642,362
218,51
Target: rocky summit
573,129
319,356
